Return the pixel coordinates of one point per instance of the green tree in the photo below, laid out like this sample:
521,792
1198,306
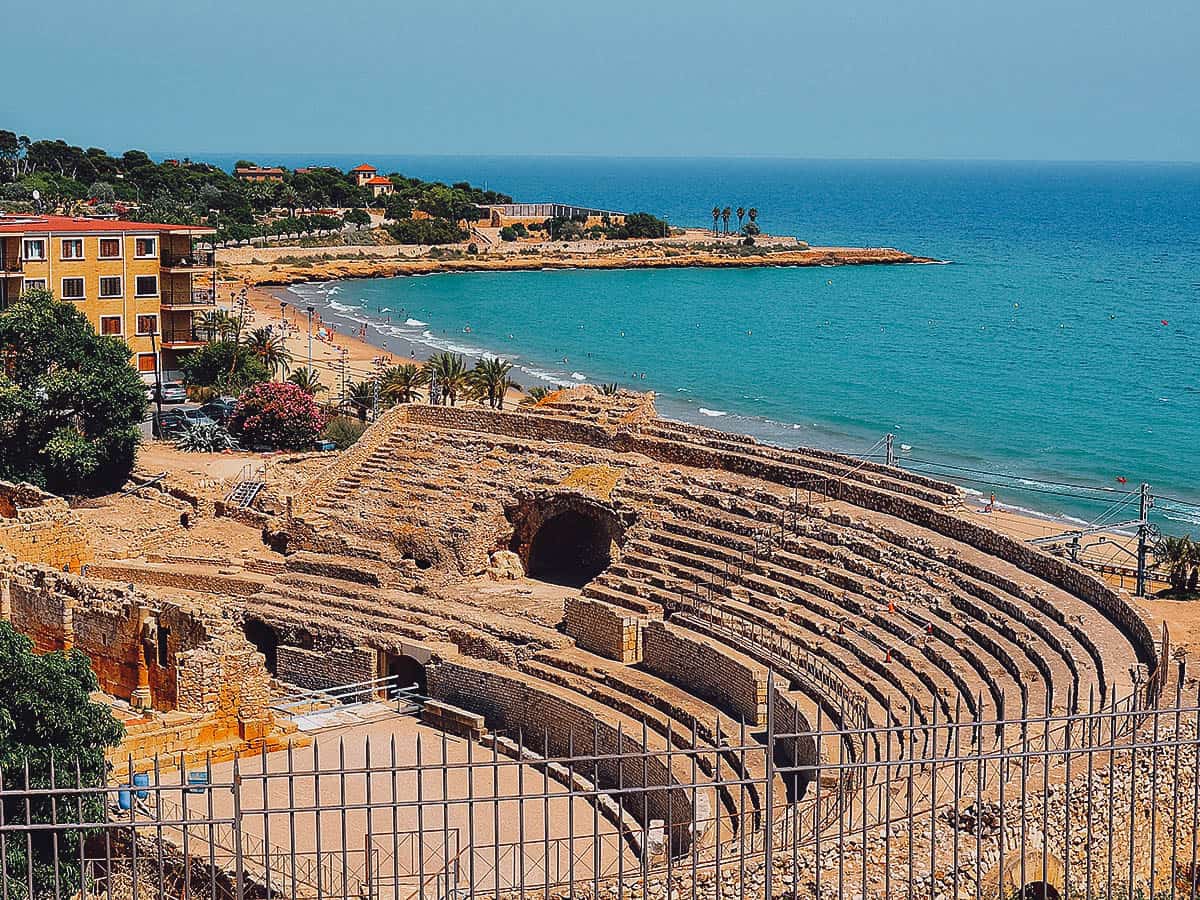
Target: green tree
224,365
307,379
725,214
425,231
402,384
270,350
491,381
1181,556
360,398
716,214
741,214
357,217
753,213
70,402
47,718
448,372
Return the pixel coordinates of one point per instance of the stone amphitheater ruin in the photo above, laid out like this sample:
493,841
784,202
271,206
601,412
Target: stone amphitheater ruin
584,578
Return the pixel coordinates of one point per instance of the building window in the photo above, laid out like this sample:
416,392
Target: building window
72,289
147,324
146,286
35,284
146,363
110,325
110,286
110,248
72,248
34,249
145,248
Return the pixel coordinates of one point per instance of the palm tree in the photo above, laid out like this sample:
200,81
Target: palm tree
610,389
741,212
716,216
270,349
491,380
537,395
400,384
308,380
725,214
213,325
1181,556
753,213
448,372
360,398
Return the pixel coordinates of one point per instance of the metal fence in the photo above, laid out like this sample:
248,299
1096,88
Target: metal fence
1096,804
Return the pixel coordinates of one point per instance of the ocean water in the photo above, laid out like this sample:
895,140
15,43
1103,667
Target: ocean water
1058,346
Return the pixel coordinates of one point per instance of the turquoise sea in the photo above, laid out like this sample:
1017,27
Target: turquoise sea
1058,348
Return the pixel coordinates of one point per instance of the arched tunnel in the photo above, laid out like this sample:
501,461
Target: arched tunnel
566,539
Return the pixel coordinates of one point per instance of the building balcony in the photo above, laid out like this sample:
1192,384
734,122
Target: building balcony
181,338
191,261
186,297
11,265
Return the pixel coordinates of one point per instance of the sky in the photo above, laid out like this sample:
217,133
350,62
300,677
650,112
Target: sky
924,79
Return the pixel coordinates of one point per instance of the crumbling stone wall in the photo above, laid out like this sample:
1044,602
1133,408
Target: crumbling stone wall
721,675
38,527
174,656
603,629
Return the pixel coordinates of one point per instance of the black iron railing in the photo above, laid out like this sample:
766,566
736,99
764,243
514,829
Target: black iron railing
194,259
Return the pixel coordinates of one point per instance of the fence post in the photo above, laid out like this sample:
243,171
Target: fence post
239,873
769,790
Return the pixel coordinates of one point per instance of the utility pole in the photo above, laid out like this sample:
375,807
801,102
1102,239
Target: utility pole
310,315
343,358
891,449
157,429
1143,535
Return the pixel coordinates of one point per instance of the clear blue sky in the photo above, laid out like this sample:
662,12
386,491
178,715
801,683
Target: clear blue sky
1006,79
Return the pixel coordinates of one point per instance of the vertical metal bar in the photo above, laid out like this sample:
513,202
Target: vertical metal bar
318,805
4,841
369,847
495,815
1091,743
571,794
1046,786
1066,831
520,851
1175,781
291,790
841,813
596,811
1112,781
769,791
1154,754
1024,782
212,850
470,813
53,793
887,805
957,806
445,763
620,801
344,848
29,833
265,814
420,773
239,872
933,793
546,809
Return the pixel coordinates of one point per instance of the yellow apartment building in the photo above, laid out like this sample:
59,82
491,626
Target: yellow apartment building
138,281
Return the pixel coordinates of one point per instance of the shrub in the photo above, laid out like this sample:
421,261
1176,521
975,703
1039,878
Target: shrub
425,231
224,365
279,415
344,431
508,233
205,439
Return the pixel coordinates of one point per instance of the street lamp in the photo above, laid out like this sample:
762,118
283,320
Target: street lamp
157,380
282,320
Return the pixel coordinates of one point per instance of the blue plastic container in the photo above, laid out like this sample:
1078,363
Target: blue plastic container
124,800
141,779
197,781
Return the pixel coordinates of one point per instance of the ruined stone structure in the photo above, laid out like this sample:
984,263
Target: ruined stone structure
192,681
585,566
39,527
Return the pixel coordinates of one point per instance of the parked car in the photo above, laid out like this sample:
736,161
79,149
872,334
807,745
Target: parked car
220,410
173,392
174,421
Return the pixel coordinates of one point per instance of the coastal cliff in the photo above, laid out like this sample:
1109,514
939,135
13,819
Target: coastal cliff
253,265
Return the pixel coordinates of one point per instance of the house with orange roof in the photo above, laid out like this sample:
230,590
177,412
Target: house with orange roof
363,173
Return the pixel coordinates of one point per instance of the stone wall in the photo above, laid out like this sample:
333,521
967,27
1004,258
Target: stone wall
156,654
37,527
719,674
603,629
322,669
555,722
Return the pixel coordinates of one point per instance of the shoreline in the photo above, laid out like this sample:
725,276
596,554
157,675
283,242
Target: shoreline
308,264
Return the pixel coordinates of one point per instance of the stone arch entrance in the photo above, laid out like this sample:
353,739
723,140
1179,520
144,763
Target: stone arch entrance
566,538
407,672
265,639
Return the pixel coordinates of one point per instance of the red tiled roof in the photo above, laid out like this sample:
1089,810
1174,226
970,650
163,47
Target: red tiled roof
29,224
259,170
378,179
364,168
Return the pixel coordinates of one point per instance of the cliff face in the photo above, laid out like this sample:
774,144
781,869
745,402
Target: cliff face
323,268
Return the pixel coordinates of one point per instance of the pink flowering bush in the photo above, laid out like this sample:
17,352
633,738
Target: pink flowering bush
279,415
